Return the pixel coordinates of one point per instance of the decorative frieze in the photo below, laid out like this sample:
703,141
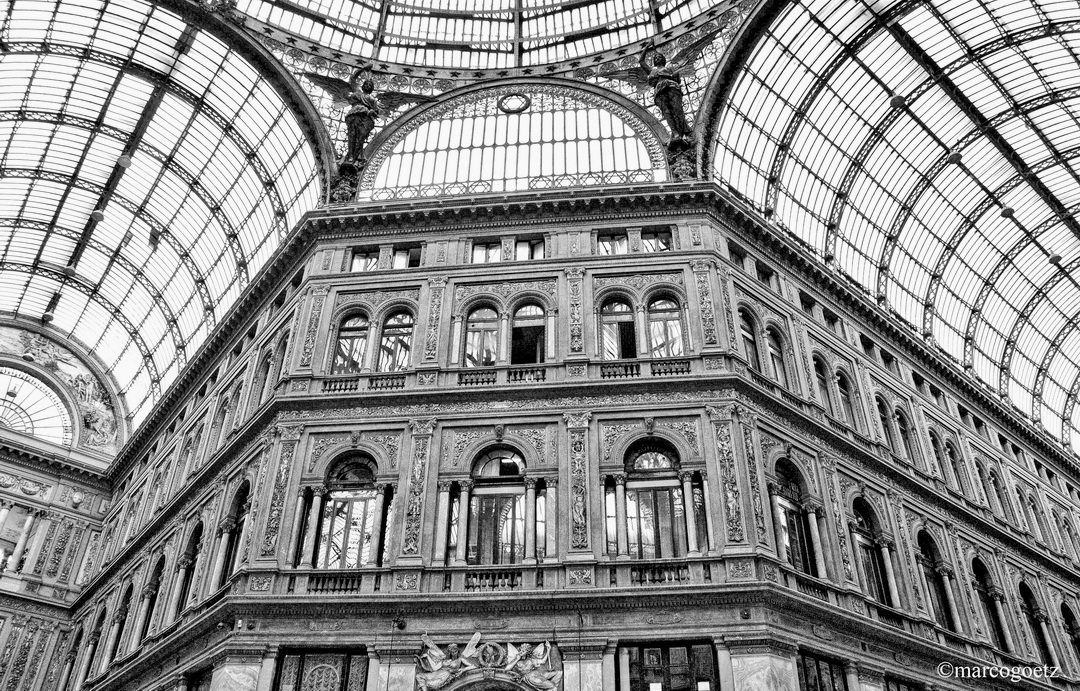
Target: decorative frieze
277,500
637,282
578,423
729,482
504,290
705,301
434,304
755,486
422,430
577,339
318,297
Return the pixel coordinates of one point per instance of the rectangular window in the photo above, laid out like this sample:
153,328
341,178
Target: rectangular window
675,667
871,562
486,252
364,260
806,303
611,244
655,523
892,684
656,241
833,322
737,255
820,673
765,275
525,250
619,342
406,258
497,529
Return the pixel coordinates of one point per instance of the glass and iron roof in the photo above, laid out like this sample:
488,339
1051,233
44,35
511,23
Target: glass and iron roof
929,152
147,171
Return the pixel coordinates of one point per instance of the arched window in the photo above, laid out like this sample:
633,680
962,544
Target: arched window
748,328
847,400
496,521
1069,537
906,439
865,534
96,651
481,337
1025,508
188,563
152,594
793,529
656,515
1038,523
220,429
980,475
956,467
665,328
262,386
120,623
984,590
775,343
351,345
1035,615
821,374
528,336
886,425
617,335
234,531
929,559
1072,630
353,516
395,348
1004,506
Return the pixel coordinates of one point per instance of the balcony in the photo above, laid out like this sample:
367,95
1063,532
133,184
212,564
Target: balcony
383,382
620,370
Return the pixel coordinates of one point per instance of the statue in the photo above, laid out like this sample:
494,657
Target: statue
365,107
435,668
531,666
665,78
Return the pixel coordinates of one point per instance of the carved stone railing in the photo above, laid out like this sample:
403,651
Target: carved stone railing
381,382
492,579
343,385
664,573
344,582
620,370
807,586
526,375
669,367
477,377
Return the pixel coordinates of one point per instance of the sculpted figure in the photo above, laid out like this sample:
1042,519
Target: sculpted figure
531,666
364,107
435,668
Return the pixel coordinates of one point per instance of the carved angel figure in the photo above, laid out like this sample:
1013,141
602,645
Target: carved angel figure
365,106
435,668
665,78
530,664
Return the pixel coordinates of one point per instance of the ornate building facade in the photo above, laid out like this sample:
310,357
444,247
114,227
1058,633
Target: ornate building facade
540,393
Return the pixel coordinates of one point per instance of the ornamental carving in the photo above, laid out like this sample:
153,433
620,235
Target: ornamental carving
755,487
577,338
317,300
740,569
277,500
260,584
373,299
538,437
389,442
578,576
414,503
462,439
725,280
729,482
321,444
435,300
502,291
579,529
705,301
612,433
534,666
636,282
838,520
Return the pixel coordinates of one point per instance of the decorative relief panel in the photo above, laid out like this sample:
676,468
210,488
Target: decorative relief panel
705,301
636,283
502,291
688,429
729,481
317,300
577,338
611,433
755,486
373,299
434,302
414,503
277,500
579,479
456,441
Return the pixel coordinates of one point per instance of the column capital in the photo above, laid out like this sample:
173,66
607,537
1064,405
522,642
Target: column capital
551,480
120,616
1040,615
530,483
465,485
444,485
422,426
945,569
319,490
71,655
686,475
574,272
996,593
618,478
184,562
578,419
149,590
6,504
884,541
93,638
814,506
227,525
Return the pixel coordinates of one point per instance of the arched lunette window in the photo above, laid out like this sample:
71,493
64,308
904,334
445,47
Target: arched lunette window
775,345
528,336
935,580
821,376
663,520
617,334
748,329
985,592
395,347
496,522
866,532
481,337
351,345
665,328
1036,620
353,517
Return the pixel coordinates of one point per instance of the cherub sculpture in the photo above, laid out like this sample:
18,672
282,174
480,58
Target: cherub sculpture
665,78
437,668
365,107
530,665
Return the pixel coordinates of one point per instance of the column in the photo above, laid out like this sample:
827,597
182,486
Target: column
5,509
311,539
642,335
225,531
814,515
949,576
688,514
65,673
463,522
377,525
885,545
851,671
242,538
549,337
111,641
727,672
1042,617
607,667
88,658
552,552
778,522
530,520
182,565
296,537
43,525
267,669
998,596
442,522
620,515
455,339
709,541
144,611
503,356
624,669
856,557
20,545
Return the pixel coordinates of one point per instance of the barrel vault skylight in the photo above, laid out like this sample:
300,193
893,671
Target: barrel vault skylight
929,151
147,171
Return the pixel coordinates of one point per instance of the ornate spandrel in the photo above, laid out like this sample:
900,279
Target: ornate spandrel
535,666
